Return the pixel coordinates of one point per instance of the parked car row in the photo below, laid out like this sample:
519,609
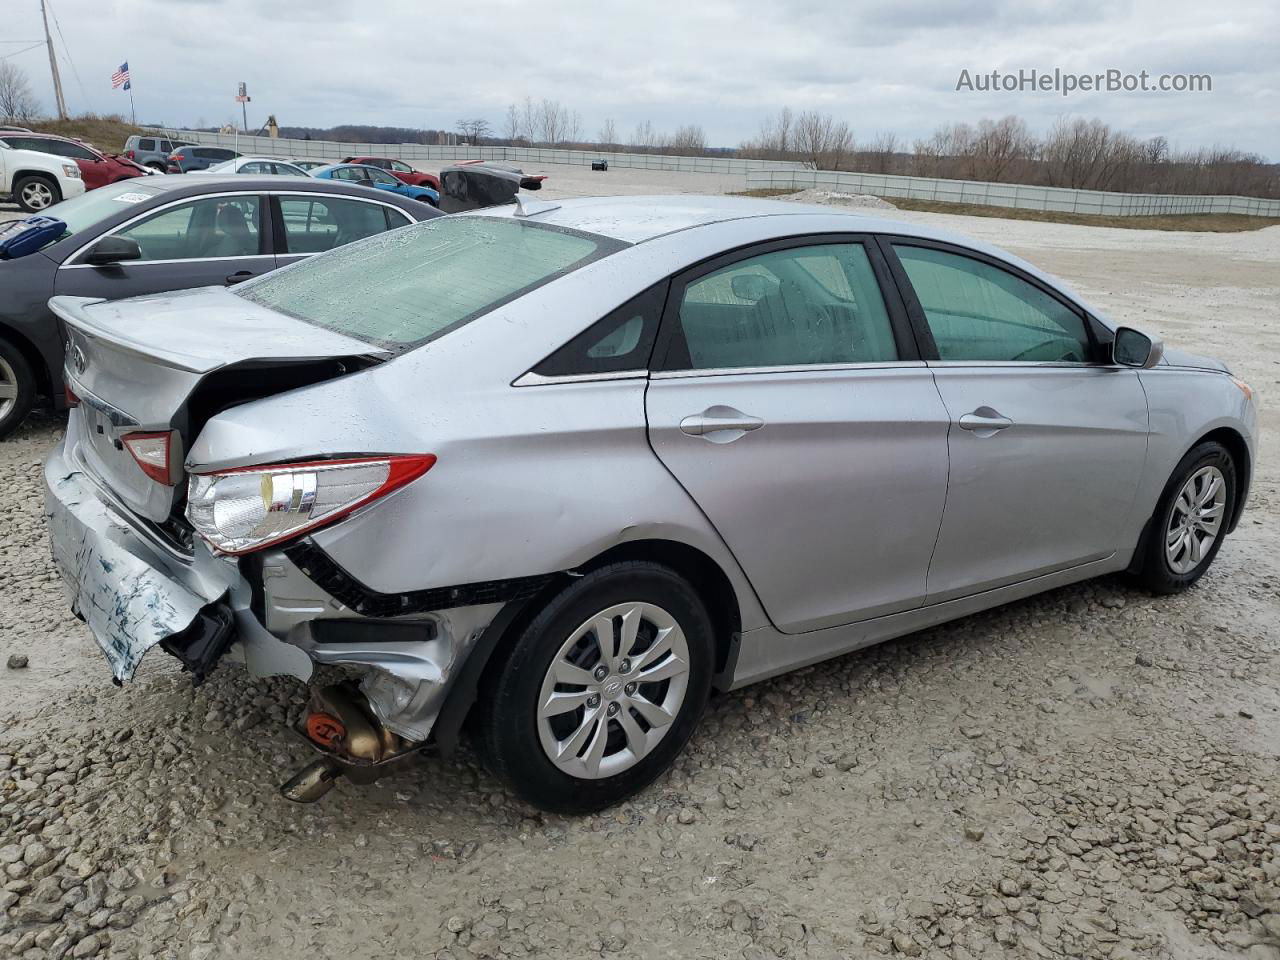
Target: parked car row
156,234
36,185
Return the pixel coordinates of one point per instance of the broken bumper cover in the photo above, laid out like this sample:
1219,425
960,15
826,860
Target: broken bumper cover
134,592
130,593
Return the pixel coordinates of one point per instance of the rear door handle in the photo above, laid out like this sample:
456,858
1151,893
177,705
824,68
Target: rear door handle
719,424
984,422
240,276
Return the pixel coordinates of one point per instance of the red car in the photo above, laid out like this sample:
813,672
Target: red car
400,170
96,168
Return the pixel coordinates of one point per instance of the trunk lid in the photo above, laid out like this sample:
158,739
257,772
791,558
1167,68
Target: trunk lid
171,362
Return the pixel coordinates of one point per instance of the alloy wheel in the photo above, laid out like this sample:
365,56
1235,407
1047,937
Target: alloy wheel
37,195
8,388
1195,520
613,690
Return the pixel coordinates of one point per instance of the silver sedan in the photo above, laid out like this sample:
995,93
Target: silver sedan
563,469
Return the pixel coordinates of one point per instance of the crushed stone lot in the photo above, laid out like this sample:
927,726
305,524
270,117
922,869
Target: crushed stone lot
1093,772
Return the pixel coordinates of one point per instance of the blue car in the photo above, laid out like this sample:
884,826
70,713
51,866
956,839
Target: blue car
372,176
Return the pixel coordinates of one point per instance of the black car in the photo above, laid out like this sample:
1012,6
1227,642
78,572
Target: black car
157,234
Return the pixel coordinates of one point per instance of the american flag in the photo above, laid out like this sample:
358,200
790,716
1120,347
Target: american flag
121,77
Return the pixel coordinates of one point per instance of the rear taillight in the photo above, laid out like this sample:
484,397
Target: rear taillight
129,154
71,398
151,453
246,509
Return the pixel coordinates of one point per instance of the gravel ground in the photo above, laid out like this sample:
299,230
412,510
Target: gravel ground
1089,773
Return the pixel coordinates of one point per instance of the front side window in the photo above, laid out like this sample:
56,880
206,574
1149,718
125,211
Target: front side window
313,226
377,176
979,312
808,305
202,229
403,288
254,166
400,167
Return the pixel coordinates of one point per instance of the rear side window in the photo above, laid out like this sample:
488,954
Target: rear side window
147,144
404,288
798,306
623,340
313,226
978,312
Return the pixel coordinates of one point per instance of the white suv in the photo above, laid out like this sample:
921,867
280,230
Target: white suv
35,180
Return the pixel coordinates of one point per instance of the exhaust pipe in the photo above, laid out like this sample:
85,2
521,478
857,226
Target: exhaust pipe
311,782
352,742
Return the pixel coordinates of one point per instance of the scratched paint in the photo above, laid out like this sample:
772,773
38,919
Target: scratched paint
128,603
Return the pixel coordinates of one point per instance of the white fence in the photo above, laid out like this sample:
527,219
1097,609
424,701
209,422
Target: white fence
420,152
1022,196
770,174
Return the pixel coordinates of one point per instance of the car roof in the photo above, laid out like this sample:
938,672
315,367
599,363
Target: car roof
637,219
179,185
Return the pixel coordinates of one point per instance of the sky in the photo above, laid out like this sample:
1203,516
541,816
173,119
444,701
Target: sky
723,65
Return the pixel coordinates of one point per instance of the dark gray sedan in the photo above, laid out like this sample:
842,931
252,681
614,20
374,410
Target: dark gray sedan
156,234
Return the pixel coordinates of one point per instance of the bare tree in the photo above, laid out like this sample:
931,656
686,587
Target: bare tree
17,102
529,119
997,145
474,130
880,156
644,135
555,123
511,128
774,142
822,141
608,133
689,139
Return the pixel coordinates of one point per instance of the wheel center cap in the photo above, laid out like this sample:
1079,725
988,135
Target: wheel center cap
612,688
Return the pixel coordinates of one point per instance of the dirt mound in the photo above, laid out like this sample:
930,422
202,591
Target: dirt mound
838,199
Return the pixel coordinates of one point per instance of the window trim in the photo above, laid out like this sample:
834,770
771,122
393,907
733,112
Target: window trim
266,236
920,323
277,216
671,333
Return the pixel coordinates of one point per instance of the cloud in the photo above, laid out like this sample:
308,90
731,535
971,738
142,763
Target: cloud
724,64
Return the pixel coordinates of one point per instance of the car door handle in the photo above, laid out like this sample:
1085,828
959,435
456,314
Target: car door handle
240,276
984,422
720,420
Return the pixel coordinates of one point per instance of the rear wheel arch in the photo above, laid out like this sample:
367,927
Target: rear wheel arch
703,574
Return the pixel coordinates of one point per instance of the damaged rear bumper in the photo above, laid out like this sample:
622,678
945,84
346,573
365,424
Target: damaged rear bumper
135,592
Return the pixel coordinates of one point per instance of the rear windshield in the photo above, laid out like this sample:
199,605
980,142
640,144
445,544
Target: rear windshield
408,286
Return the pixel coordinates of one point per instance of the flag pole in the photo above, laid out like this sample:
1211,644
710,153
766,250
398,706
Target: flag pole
133,112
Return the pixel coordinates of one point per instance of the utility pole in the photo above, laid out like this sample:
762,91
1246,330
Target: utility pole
53,66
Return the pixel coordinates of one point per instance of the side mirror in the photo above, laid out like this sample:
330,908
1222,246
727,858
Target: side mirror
1133,348
110,250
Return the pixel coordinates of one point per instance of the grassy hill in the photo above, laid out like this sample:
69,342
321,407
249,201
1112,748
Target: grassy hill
103,133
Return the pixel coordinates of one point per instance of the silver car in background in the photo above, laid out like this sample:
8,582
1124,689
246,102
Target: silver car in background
561,469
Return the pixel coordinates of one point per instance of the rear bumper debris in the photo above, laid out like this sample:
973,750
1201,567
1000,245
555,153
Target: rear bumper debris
134,592
129,593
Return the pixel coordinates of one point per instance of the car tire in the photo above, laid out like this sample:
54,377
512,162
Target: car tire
17,387
547,759
1176,550
34,192
156,166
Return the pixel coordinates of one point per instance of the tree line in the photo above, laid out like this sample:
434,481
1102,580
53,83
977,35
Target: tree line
1085,154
